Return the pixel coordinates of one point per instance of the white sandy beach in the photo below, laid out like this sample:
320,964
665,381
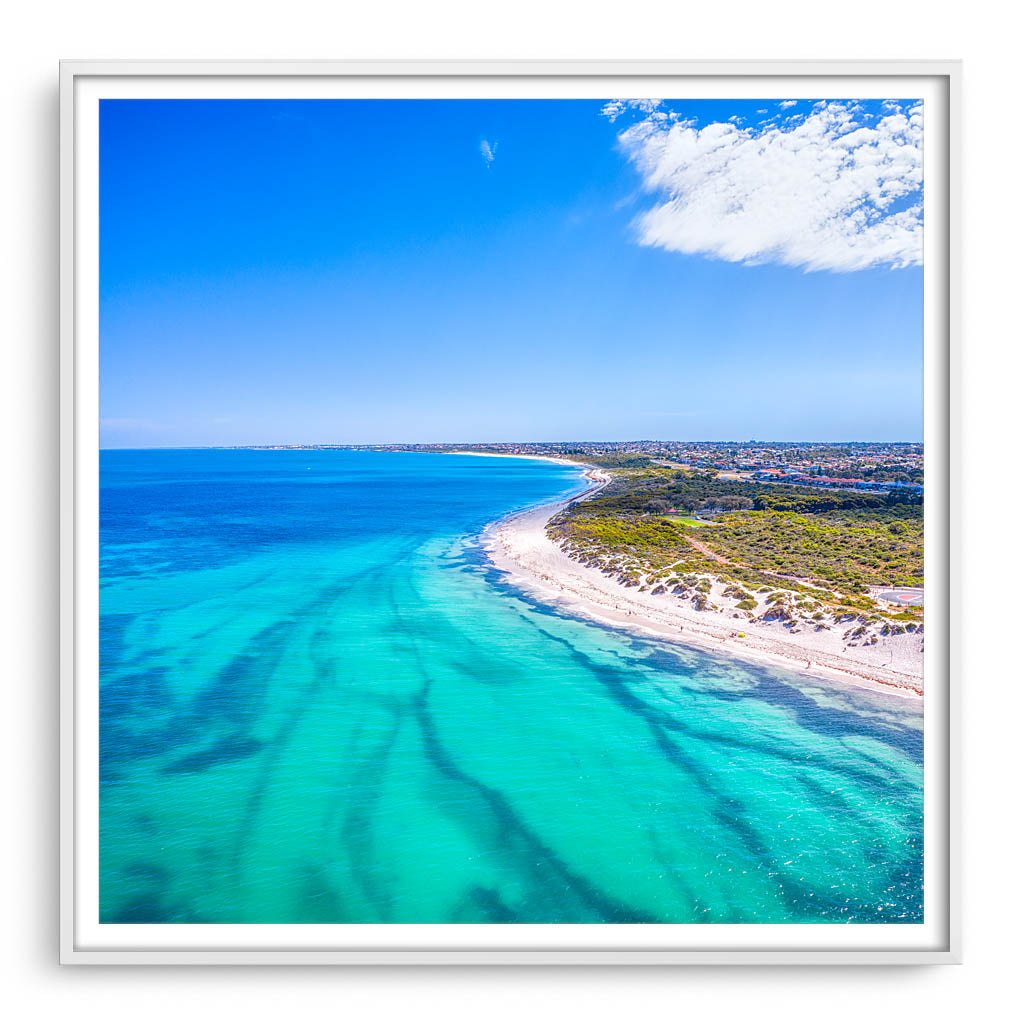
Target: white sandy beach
520,547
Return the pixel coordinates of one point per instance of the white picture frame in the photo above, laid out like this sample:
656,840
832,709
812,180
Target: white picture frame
84,941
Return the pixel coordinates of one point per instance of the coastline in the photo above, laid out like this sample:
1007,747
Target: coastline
519,547
534,458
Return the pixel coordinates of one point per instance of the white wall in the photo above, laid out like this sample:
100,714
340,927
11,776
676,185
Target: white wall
36,36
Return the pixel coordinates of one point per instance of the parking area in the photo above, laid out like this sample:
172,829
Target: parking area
906,596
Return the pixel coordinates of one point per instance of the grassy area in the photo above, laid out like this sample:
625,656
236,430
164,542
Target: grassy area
848,550
686,521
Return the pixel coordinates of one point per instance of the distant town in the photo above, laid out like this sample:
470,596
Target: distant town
871,466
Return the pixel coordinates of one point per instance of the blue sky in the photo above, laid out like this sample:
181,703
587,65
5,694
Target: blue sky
383,271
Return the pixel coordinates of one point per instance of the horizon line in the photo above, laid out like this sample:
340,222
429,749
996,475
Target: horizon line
452,444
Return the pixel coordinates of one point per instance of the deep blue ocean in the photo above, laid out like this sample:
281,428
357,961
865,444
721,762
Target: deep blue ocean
319,703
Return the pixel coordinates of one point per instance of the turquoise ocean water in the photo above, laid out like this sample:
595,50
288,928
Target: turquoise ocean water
319,703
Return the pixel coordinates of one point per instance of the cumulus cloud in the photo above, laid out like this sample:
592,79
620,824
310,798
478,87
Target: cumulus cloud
834,189
488,152
786,104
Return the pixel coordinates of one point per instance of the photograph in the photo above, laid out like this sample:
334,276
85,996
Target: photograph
511,511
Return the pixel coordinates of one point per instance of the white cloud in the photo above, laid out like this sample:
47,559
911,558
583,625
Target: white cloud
488,152
616,108
786,104
613,109
821,191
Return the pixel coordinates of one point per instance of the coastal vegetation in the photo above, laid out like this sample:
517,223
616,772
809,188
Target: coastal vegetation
799,556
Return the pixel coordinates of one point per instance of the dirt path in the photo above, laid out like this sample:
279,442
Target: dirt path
707,552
